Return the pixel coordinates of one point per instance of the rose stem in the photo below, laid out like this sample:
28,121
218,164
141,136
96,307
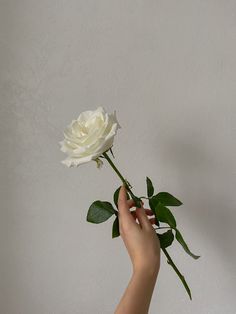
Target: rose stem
135,198
171,263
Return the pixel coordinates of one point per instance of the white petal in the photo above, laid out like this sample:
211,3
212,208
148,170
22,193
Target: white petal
100,109
84,116
106,145
75,162
115,119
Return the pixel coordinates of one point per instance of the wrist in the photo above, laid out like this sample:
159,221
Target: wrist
146,270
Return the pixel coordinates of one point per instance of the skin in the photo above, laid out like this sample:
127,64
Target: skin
143,247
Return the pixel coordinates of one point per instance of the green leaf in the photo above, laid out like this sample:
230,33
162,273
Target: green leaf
180,239
100,211
115,228
163,214
167,199
116,195
166,238
152,203
150,188
181,277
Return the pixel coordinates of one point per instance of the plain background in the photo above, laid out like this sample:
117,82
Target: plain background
168,68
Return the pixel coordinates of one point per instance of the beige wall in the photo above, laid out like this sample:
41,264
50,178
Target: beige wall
169,69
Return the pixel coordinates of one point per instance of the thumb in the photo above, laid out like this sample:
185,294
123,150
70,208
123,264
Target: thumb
123,206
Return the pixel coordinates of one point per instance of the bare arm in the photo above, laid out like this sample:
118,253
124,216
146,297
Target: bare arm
143,247
137,296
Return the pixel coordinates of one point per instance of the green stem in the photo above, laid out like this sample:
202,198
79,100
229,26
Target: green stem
114,167
170,261
136,199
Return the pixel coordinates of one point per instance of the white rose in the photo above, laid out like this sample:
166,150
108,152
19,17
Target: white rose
89,137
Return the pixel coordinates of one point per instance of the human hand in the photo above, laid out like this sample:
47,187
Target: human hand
140,239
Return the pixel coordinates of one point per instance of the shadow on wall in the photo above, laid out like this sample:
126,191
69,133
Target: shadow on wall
207,179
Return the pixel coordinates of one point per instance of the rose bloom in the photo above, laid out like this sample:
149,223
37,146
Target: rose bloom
89,137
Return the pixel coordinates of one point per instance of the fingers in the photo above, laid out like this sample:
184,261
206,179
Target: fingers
128,216
153,220
148,212
143,219
130,203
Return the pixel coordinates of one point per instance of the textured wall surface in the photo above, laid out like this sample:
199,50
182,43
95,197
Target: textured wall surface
169,70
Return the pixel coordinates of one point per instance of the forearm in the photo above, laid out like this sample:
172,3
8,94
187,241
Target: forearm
138,294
